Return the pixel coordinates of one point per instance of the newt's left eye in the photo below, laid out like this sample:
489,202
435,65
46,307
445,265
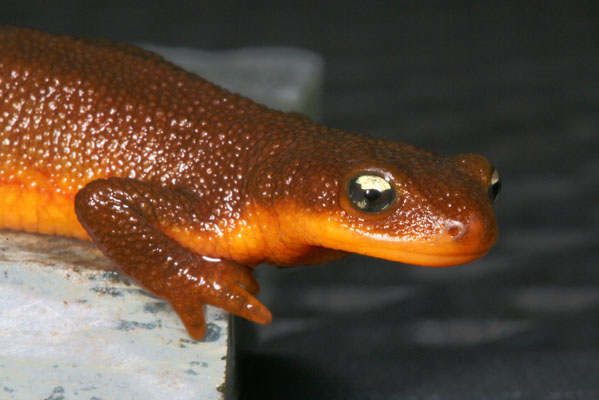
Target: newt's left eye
494,185
371,193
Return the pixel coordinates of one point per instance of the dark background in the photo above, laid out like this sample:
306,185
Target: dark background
517,81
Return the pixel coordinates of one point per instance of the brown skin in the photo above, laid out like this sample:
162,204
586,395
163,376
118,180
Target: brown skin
187,187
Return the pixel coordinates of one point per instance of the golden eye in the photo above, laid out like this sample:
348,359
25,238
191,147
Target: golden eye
494,185
370,193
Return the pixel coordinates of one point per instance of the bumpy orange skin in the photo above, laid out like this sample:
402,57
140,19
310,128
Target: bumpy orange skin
186,186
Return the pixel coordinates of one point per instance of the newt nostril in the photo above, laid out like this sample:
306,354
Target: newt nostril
455,229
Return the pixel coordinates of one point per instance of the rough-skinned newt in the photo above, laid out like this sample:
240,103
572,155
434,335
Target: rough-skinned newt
186,187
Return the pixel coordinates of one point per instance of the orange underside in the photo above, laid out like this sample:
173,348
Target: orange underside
29,202
33,202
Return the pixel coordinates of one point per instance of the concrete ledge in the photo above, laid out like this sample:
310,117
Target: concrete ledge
82,332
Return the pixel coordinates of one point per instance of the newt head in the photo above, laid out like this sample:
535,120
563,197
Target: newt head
392,201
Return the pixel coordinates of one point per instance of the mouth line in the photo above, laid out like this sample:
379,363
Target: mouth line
415,257
443,260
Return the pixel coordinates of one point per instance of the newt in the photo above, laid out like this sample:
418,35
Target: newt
187,187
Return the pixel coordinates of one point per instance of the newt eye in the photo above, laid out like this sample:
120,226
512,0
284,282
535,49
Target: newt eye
370,193
494,185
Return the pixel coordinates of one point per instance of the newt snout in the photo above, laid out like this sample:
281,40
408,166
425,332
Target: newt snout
472,234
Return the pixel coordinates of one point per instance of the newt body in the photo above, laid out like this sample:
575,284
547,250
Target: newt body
187,187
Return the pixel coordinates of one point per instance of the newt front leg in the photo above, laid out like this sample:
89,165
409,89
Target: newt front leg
127,219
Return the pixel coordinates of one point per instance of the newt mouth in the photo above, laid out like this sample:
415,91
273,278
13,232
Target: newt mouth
445,249
436,259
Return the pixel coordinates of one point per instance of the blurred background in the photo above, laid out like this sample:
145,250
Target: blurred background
517,81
